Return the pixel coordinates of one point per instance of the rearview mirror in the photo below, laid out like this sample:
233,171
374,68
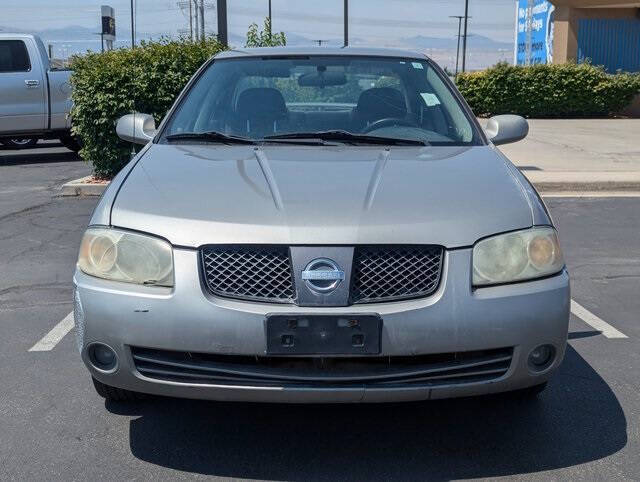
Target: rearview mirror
136,128
322,79
503,129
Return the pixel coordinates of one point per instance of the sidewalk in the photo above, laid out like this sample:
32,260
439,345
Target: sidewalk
579,154
558,156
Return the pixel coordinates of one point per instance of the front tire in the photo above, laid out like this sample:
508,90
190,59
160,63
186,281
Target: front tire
71,143
116,394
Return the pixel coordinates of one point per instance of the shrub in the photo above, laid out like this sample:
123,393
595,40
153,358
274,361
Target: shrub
563,90
264,38
110,84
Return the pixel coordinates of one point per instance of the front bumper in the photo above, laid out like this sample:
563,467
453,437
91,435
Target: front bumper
455,319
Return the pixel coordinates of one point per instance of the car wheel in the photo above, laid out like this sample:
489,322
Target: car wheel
116,394
71,143
20,143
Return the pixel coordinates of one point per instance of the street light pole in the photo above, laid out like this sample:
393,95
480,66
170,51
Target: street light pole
222,22
270,24
133,28
346,23
464,39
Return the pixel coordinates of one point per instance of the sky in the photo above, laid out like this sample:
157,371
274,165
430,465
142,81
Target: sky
372,22
376,21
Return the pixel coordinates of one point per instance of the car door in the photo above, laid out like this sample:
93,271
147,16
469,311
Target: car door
22,89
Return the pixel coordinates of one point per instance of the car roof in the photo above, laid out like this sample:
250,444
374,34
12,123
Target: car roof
341,51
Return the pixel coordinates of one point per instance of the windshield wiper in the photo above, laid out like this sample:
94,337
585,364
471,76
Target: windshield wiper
211,136
340,135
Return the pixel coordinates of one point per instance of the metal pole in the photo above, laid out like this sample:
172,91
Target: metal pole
101,42
459,17
529,35
133,28
270,24
346,23
196,16
458,49
190,21
464,39
202,34
222,22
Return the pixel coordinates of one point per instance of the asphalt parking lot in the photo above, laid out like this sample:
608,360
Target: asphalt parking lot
53,425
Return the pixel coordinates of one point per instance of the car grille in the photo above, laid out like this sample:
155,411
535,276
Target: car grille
394,371
388,273
261,273
379,273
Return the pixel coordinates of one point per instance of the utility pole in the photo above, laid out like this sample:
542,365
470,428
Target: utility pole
133,28
196,16
222,22
190,21
464,39
202,34
459,17
270,24
346,23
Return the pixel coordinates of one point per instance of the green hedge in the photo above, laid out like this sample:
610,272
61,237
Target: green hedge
563,90
108,85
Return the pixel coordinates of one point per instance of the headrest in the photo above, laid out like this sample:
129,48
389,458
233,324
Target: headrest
261,103
380,103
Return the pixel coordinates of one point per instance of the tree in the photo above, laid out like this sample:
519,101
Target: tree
264,38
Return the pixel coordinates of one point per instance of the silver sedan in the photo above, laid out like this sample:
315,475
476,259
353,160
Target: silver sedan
320,225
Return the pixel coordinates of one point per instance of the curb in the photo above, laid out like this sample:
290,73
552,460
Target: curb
544,181
583,181
80,187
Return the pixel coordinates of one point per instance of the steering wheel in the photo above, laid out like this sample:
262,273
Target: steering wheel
389,121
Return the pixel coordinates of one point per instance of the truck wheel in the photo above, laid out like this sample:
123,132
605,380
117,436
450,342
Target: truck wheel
20,143
116,394
70,143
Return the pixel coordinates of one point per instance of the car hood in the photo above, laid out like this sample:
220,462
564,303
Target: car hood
290,194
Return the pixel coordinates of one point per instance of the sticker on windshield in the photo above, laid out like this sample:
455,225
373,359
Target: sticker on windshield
430,99
417,65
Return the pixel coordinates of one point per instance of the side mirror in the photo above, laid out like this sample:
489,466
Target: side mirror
137,128
503,129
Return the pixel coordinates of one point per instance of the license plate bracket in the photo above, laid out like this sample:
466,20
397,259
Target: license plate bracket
320,335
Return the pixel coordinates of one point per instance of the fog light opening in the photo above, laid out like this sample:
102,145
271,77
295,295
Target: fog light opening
102,357
541,357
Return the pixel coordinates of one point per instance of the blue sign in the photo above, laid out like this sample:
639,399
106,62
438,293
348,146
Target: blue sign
537,47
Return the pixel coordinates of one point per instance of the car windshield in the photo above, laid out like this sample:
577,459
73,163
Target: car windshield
293,98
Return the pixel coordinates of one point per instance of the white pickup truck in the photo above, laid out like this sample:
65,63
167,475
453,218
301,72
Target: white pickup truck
35,99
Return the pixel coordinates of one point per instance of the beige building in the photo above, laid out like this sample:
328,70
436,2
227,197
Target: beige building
575,20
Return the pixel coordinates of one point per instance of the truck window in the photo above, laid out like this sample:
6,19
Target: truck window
14,56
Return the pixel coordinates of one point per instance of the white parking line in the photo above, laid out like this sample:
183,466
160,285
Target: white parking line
51,339
592,320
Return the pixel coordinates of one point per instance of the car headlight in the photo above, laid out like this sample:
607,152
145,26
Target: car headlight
517,256
125,256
